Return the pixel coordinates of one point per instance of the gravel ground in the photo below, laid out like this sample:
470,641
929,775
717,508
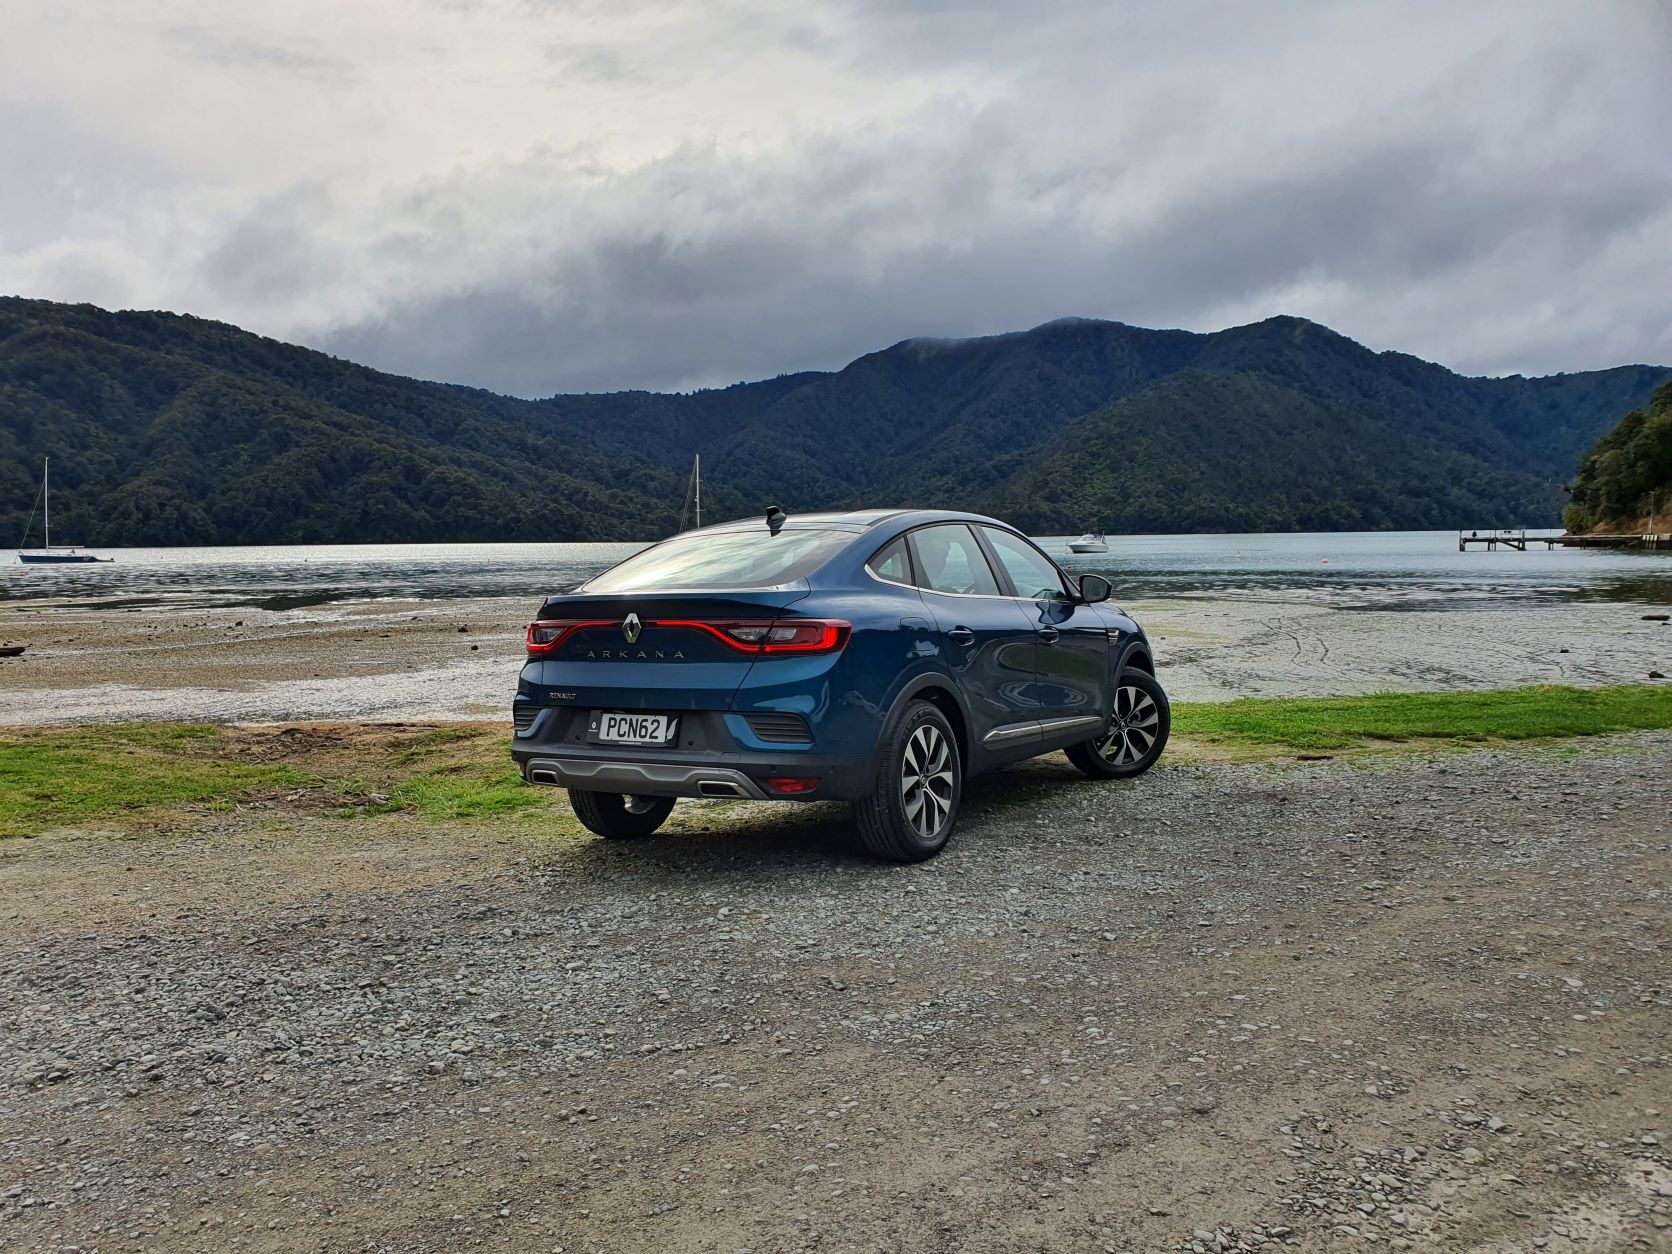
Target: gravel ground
1417,1002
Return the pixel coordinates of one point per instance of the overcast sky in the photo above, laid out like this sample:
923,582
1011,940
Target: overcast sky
542,195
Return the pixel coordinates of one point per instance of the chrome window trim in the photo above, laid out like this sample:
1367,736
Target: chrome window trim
905,546
970,596
1068,599
892,583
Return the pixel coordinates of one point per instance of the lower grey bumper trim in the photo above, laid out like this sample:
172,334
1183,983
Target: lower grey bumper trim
645,779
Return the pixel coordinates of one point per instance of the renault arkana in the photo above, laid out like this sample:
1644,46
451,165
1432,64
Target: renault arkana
879,658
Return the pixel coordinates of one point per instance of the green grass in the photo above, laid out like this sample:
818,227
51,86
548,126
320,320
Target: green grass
131,775
1350,722
439,740
449,773
462,792
93,775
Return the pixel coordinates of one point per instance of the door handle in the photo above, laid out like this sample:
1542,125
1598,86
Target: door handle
1049,634
961,635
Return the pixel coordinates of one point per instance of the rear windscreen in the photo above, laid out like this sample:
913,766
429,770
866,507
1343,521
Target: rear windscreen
723,560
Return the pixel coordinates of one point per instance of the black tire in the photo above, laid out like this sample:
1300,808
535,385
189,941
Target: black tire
922,747
1138,729
615,816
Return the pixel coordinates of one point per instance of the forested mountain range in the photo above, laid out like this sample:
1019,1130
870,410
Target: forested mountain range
166,429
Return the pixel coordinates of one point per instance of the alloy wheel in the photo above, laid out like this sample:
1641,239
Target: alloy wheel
926,782
639,805
1132,727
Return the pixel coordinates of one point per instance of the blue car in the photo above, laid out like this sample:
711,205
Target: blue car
879,657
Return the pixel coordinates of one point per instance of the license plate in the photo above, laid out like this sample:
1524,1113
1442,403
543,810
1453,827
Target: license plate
634,729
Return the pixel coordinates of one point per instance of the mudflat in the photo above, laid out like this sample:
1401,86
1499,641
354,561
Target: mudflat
1418,999
405,661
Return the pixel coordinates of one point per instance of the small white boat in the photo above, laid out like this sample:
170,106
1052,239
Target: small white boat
1089,543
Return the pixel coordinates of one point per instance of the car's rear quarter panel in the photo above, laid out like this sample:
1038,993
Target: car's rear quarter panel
845,696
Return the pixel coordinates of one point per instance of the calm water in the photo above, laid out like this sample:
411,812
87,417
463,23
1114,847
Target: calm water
1412,569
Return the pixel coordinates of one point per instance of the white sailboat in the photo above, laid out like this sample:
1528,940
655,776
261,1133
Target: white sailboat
48,554
1091,542
693,486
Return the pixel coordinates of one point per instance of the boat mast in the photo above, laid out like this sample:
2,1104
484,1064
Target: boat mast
46,499
696,471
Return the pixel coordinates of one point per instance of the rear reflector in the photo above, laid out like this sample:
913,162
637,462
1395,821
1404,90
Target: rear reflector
787,786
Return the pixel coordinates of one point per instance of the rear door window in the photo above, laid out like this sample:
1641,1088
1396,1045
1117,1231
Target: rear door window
949,560
723,561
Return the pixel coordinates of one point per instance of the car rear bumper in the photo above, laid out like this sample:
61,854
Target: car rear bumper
648,773
716,754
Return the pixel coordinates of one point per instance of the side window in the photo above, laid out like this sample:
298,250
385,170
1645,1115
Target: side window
891,563
950,560
1030,570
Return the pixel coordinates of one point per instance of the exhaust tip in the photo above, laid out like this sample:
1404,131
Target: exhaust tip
718,788
543,777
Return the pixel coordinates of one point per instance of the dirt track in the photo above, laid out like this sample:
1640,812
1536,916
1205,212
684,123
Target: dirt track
1420,1003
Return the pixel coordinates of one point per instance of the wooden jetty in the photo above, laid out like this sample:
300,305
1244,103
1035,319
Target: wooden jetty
1519,538
1510,538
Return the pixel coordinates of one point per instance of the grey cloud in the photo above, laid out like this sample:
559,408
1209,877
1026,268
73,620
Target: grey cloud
945,229
244,53
1486,185
58,168
274,252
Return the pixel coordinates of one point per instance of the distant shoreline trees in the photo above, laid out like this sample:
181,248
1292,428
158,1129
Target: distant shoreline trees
1625,481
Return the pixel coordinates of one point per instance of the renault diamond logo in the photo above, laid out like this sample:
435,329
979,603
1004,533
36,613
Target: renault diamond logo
631,627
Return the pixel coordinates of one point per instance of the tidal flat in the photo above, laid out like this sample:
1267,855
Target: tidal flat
428,660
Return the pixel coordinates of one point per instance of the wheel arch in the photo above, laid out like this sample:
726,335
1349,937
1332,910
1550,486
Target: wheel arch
1136,656
942,692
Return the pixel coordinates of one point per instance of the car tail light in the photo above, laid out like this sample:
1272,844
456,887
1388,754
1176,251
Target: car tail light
791,635
790,786
800,635
548,634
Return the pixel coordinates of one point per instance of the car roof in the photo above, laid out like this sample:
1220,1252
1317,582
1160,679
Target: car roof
857,520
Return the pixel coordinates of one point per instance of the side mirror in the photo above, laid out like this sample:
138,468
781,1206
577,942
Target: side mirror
1095,588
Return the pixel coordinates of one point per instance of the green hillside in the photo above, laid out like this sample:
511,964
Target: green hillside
1200,457
166,429
1625,481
